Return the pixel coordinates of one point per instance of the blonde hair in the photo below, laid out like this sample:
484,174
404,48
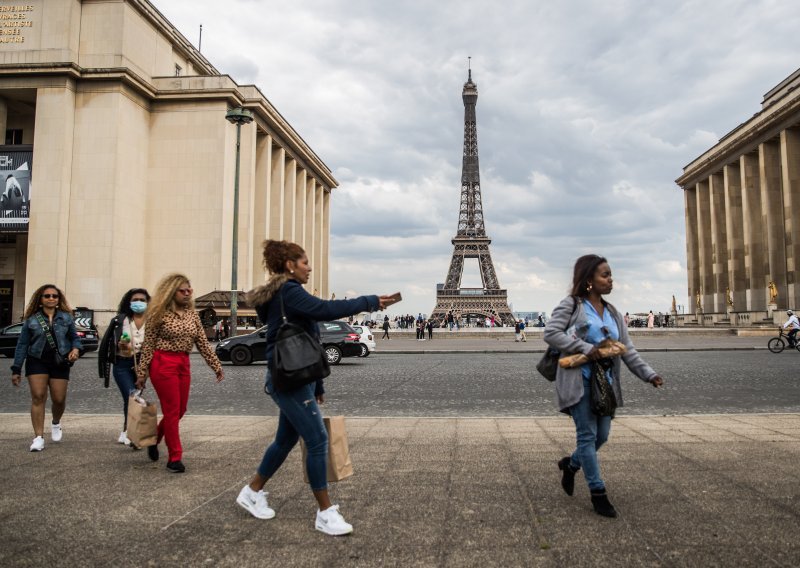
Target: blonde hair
164,298
35,302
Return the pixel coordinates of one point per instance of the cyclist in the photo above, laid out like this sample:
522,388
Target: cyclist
793,325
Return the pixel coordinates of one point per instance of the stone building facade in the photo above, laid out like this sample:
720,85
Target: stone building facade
131,169
742,207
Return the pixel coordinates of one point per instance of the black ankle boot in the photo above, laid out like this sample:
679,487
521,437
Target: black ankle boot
568,476
602,506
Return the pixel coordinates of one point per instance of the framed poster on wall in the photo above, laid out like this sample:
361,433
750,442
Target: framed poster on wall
15,190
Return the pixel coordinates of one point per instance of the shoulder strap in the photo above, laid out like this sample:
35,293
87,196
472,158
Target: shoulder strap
283,310
47,333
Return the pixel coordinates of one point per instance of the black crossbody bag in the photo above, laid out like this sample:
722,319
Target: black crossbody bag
60,359
298,358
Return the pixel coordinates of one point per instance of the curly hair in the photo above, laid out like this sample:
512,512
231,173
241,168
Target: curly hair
36,301
125,302
164,298
276,253
585,268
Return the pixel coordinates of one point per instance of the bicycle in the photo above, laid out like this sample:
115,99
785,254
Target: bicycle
777,344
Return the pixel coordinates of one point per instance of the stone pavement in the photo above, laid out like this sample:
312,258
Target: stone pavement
695,490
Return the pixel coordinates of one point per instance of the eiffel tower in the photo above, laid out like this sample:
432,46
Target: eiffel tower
471,240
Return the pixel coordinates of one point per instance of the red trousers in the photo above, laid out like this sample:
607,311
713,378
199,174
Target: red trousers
170,374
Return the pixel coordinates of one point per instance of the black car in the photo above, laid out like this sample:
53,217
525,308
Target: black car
10,335
338,339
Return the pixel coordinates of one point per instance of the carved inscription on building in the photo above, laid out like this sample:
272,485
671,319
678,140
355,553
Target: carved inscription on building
15,22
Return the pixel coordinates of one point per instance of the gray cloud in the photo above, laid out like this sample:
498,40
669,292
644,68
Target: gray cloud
587,113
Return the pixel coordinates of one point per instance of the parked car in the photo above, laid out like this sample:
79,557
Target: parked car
10,335
365,339
338,339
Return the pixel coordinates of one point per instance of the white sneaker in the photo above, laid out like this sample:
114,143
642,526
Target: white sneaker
56,432
38,444
255,503
123,439
330,521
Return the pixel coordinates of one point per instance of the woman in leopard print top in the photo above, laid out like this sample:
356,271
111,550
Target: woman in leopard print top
173,328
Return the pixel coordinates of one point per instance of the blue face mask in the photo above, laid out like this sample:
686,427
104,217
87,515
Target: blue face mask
138,307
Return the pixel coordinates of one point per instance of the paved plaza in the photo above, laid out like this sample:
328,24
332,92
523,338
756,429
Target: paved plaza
454,457
691,490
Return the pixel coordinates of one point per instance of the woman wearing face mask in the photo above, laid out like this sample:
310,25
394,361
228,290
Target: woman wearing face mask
580,322
121,346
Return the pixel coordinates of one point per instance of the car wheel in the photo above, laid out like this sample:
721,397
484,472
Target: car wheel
241,355
364,350
334,354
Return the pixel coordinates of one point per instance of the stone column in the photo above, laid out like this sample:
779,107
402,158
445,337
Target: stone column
773,217
261,203
790,169
309,223
319,240
692,247
754,260
289,199
734,228
300,207
48,233
276,193
326,243
719,241
704,245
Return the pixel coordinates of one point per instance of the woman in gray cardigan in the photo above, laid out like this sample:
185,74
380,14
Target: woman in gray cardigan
579,323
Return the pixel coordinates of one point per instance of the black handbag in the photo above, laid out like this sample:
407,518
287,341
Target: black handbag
548,364
60,360
298,358
601,394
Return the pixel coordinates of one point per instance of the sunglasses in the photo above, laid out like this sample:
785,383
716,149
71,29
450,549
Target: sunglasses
50,296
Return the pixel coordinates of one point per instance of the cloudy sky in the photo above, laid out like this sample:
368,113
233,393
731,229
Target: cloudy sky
587,112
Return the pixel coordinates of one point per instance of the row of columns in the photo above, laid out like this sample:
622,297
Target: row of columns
289,204
743,230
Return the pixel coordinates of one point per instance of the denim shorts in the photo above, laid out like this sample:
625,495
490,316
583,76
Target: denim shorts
34,366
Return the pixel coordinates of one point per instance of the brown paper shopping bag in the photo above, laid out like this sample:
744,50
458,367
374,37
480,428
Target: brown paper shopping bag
142,422
339,465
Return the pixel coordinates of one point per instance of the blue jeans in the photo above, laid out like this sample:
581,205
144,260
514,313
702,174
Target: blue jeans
300,417
125,377
591,432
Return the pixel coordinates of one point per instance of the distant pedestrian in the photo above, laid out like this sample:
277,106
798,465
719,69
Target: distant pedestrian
226,329
522,335
300,415
540,321
386,328
595,320
121,347
430,329
627,319
650,319
517,336
173,329
48,344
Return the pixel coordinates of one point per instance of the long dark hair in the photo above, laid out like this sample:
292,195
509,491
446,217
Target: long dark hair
585,267
125,302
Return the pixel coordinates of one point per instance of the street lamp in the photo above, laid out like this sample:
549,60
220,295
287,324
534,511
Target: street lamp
237,116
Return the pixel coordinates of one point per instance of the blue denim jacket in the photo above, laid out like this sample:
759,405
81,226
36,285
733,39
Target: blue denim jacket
32,338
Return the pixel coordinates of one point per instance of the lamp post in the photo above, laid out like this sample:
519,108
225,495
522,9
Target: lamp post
237,116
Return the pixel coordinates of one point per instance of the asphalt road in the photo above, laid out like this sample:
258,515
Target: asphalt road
469,384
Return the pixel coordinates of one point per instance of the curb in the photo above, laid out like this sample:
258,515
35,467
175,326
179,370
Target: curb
642,350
